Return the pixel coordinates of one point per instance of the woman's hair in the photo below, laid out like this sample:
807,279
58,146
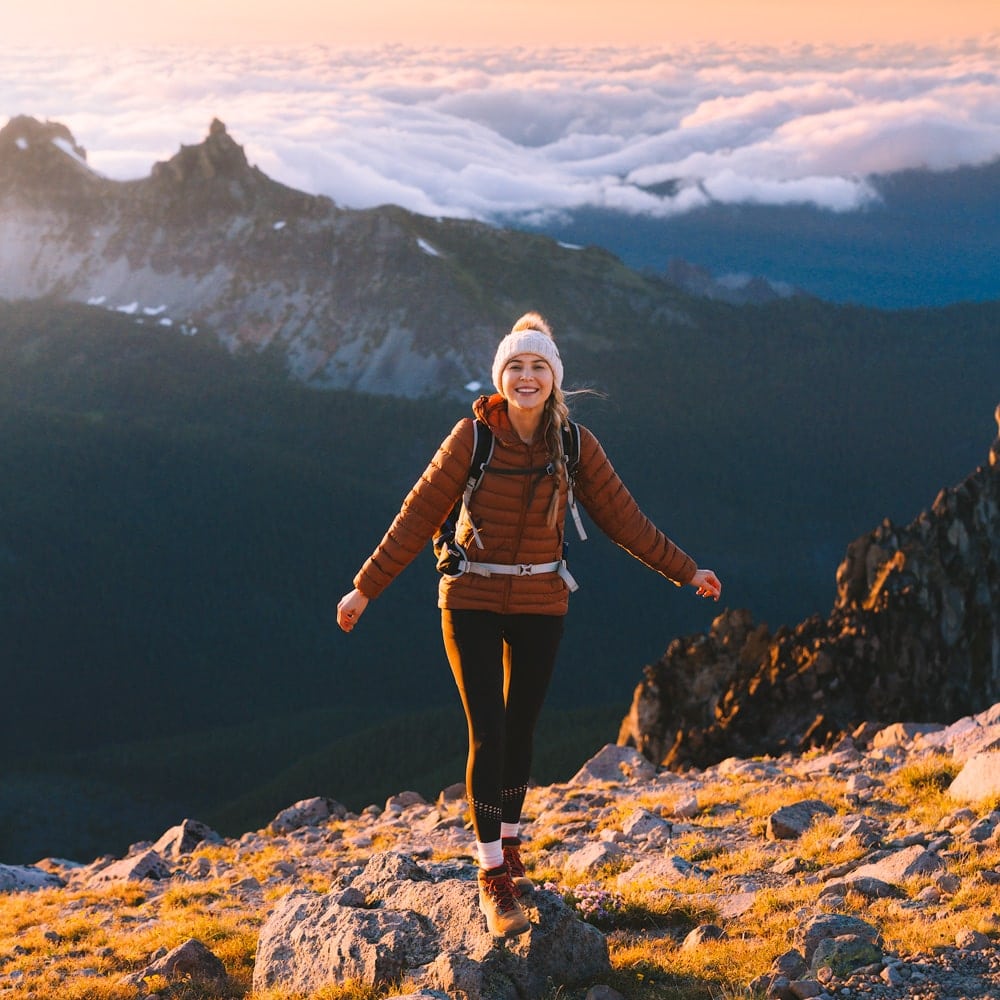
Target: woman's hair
555,416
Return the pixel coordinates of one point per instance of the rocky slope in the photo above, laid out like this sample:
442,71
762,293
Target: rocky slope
385,897
382,301
914,634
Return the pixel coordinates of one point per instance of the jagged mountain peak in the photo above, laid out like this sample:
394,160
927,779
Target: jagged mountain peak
352,298
914,634
24,133
35,154
217,156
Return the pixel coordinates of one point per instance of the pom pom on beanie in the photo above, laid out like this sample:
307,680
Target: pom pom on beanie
527,341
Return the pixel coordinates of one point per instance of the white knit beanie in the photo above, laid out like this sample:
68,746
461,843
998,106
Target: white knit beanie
527,342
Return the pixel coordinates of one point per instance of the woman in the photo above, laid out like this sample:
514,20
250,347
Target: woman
502,618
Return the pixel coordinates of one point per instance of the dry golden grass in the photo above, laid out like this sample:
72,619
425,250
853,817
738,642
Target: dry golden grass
78,944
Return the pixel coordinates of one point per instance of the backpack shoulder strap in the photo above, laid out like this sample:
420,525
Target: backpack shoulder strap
483,443
571,446
571,449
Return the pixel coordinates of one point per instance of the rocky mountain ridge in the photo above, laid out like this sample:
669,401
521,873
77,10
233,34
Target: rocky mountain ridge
386,898
914,633
381,300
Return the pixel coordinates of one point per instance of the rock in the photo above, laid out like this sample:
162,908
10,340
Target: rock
403,800
969,735
687,808
657,871
870,888
901,865
591,859
306,812
614,763
603,993
866,832
984,830
916,601
426,924
642,822
979,779
791,964
184,838
702,933
27,878
805,989
147,865
972,940
790,822
827,926
190,961
901,733
845,953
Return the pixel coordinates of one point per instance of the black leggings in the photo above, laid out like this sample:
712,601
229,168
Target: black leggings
502,666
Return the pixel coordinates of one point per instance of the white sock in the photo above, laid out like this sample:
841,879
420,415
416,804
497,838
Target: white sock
509,830
490,854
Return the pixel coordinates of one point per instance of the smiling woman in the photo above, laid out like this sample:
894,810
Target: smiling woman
497,22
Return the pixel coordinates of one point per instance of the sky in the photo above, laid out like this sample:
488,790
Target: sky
520,110
496,23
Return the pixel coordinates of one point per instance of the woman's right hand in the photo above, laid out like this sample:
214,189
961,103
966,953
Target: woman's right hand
350,608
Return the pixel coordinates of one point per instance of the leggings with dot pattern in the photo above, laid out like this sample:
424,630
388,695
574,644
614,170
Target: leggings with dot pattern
502,665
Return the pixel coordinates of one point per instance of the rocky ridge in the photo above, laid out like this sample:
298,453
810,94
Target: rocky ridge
387,897
914,634
381,301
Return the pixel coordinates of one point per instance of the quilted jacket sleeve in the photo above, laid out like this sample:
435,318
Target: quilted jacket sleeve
613,509
424,510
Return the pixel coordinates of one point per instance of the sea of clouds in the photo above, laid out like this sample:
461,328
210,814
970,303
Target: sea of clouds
529,134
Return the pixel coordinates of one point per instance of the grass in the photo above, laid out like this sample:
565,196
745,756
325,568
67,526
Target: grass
78,944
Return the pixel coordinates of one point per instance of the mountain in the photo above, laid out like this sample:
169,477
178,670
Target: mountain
379,301
914,634
928,238
178,516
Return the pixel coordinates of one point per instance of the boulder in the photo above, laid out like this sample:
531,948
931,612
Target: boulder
826,926
306,812
790,822
614,763
661,870
901,733
27,878
979,779
184,838
190,961
135,868
422,923
900,865
845,953
590,859
641,822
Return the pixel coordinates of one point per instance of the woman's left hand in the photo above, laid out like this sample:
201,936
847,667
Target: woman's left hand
707,584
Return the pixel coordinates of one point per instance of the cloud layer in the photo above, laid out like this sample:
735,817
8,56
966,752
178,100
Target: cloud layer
524,134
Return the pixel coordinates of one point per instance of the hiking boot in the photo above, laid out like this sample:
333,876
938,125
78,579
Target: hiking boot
504,917
512,856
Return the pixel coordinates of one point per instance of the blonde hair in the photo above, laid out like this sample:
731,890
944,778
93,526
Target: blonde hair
555,417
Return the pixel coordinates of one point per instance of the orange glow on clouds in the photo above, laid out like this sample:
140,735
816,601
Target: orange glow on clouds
497,23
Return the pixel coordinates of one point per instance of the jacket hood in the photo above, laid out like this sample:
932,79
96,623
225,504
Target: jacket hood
492,411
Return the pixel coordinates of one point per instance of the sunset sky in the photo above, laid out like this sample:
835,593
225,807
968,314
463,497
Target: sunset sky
514,110
497,22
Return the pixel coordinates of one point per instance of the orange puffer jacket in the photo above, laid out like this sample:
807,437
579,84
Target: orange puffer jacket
510,514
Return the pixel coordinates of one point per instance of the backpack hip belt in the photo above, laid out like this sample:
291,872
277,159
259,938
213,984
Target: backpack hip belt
519,569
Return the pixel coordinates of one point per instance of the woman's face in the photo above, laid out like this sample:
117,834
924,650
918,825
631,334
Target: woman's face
527,382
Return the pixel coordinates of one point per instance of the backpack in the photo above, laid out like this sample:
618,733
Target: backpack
449,553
